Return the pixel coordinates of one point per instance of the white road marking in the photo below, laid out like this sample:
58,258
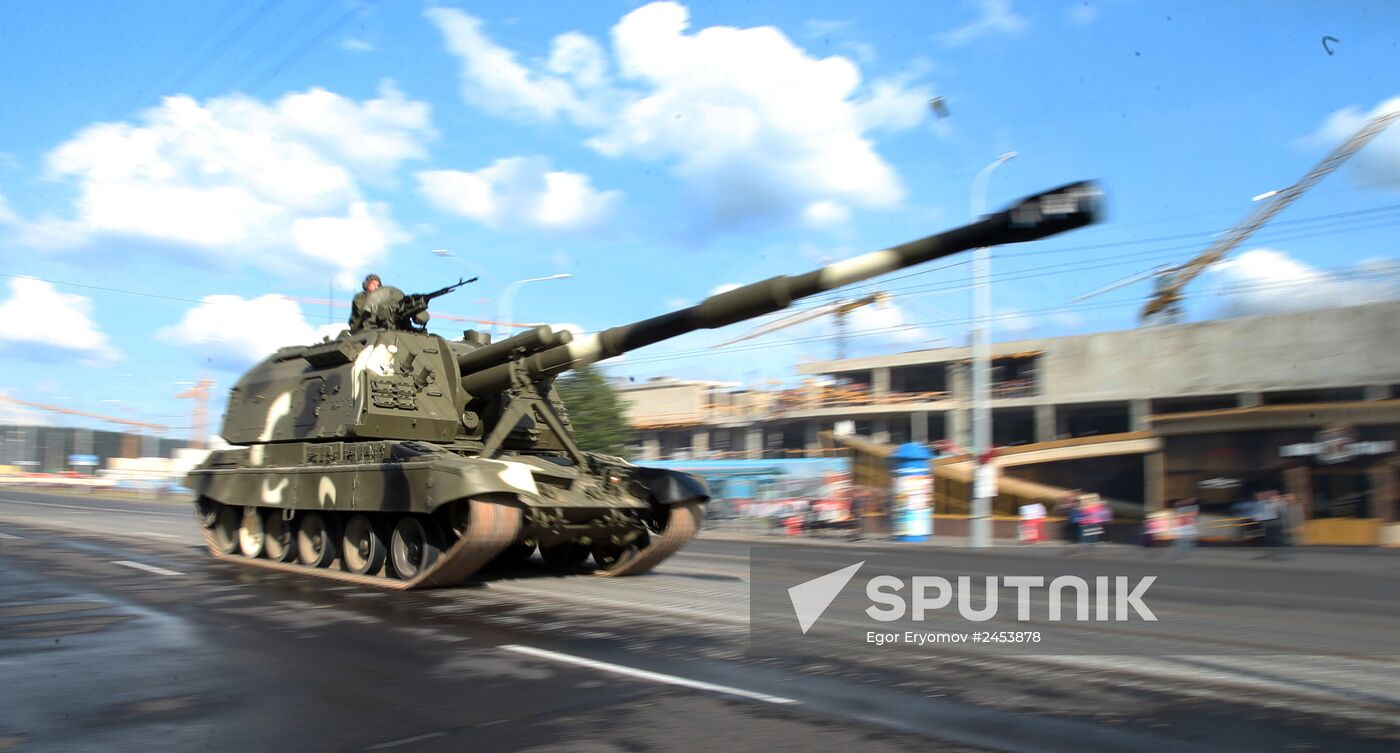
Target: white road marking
144,566
406,741
9,536
643,674
157,535
96,509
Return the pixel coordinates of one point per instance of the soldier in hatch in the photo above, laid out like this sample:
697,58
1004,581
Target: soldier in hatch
359,308
372,306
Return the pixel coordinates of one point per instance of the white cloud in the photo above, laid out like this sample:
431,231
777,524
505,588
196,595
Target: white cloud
834,32
753,125
1082,14
1378,163
825,213
234,176
570,327
374,135
894,104
234,332
995,18
350,241
494,80
1268,281
724,288
580,60
881,327
38,319
352,44
893,325
519,192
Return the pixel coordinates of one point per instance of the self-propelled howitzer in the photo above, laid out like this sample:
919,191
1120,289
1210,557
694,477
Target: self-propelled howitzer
413,461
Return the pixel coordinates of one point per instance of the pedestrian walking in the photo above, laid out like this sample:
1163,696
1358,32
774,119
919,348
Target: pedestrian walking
1032,522
1068,507
1156,528
1092,515
1184,527
1272,519
1253,532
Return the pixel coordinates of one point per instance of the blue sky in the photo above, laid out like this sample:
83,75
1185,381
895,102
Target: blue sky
183,184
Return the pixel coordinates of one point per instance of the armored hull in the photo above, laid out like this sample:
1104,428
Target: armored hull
391,456
401,514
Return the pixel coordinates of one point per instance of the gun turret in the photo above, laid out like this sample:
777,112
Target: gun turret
1035,217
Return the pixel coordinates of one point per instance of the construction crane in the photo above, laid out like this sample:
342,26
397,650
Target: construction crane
1165,304
840,310
84,414
199,416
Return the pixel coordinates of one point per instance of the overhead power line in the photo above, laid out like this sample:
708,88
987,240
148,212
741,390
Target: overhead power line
244,71
1334,275
311,44
1377,217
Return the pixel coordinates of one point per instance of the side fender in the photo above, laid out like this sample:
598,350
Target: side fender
670,487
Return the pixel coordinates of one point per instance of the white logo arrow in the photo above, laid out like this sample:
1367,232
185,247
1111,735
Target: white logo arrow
812,598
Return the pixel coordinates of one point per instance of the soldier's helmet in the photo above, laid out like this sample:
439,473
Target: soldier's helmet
368,279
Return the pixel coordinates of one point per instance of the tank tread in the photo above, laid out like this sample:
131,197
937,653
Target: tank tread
493,526
681,527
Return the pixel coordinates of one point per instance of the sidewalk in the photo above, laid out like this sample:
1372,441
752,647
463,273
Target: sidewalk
1356,560
835,538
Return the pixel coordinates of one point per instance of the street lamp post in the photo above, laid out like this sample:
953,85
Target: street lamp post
503,310
983,491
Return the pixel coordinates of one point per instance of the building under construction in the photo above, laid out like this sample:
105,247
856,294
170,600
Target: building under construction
60,449
1307,402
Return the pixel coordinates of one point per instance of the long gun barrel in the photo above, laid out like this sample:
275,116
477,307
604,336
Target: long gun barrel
1035,217
526,343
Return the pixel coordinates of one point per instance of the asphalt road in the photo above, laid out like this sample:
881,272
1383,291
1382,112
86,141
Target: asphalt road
117,632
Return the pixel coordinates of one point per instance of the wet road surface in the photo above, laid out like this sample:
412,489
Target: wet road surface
118,633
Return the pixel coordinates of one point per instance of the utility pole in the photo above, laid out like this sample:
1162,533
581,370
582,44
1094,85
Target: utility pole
983,479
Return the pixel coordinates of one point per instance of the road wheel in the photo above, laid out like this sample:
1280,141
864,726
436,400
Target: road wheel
565,555
250,533
279,539
362,548
317,540
206,512
227,521
415,546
